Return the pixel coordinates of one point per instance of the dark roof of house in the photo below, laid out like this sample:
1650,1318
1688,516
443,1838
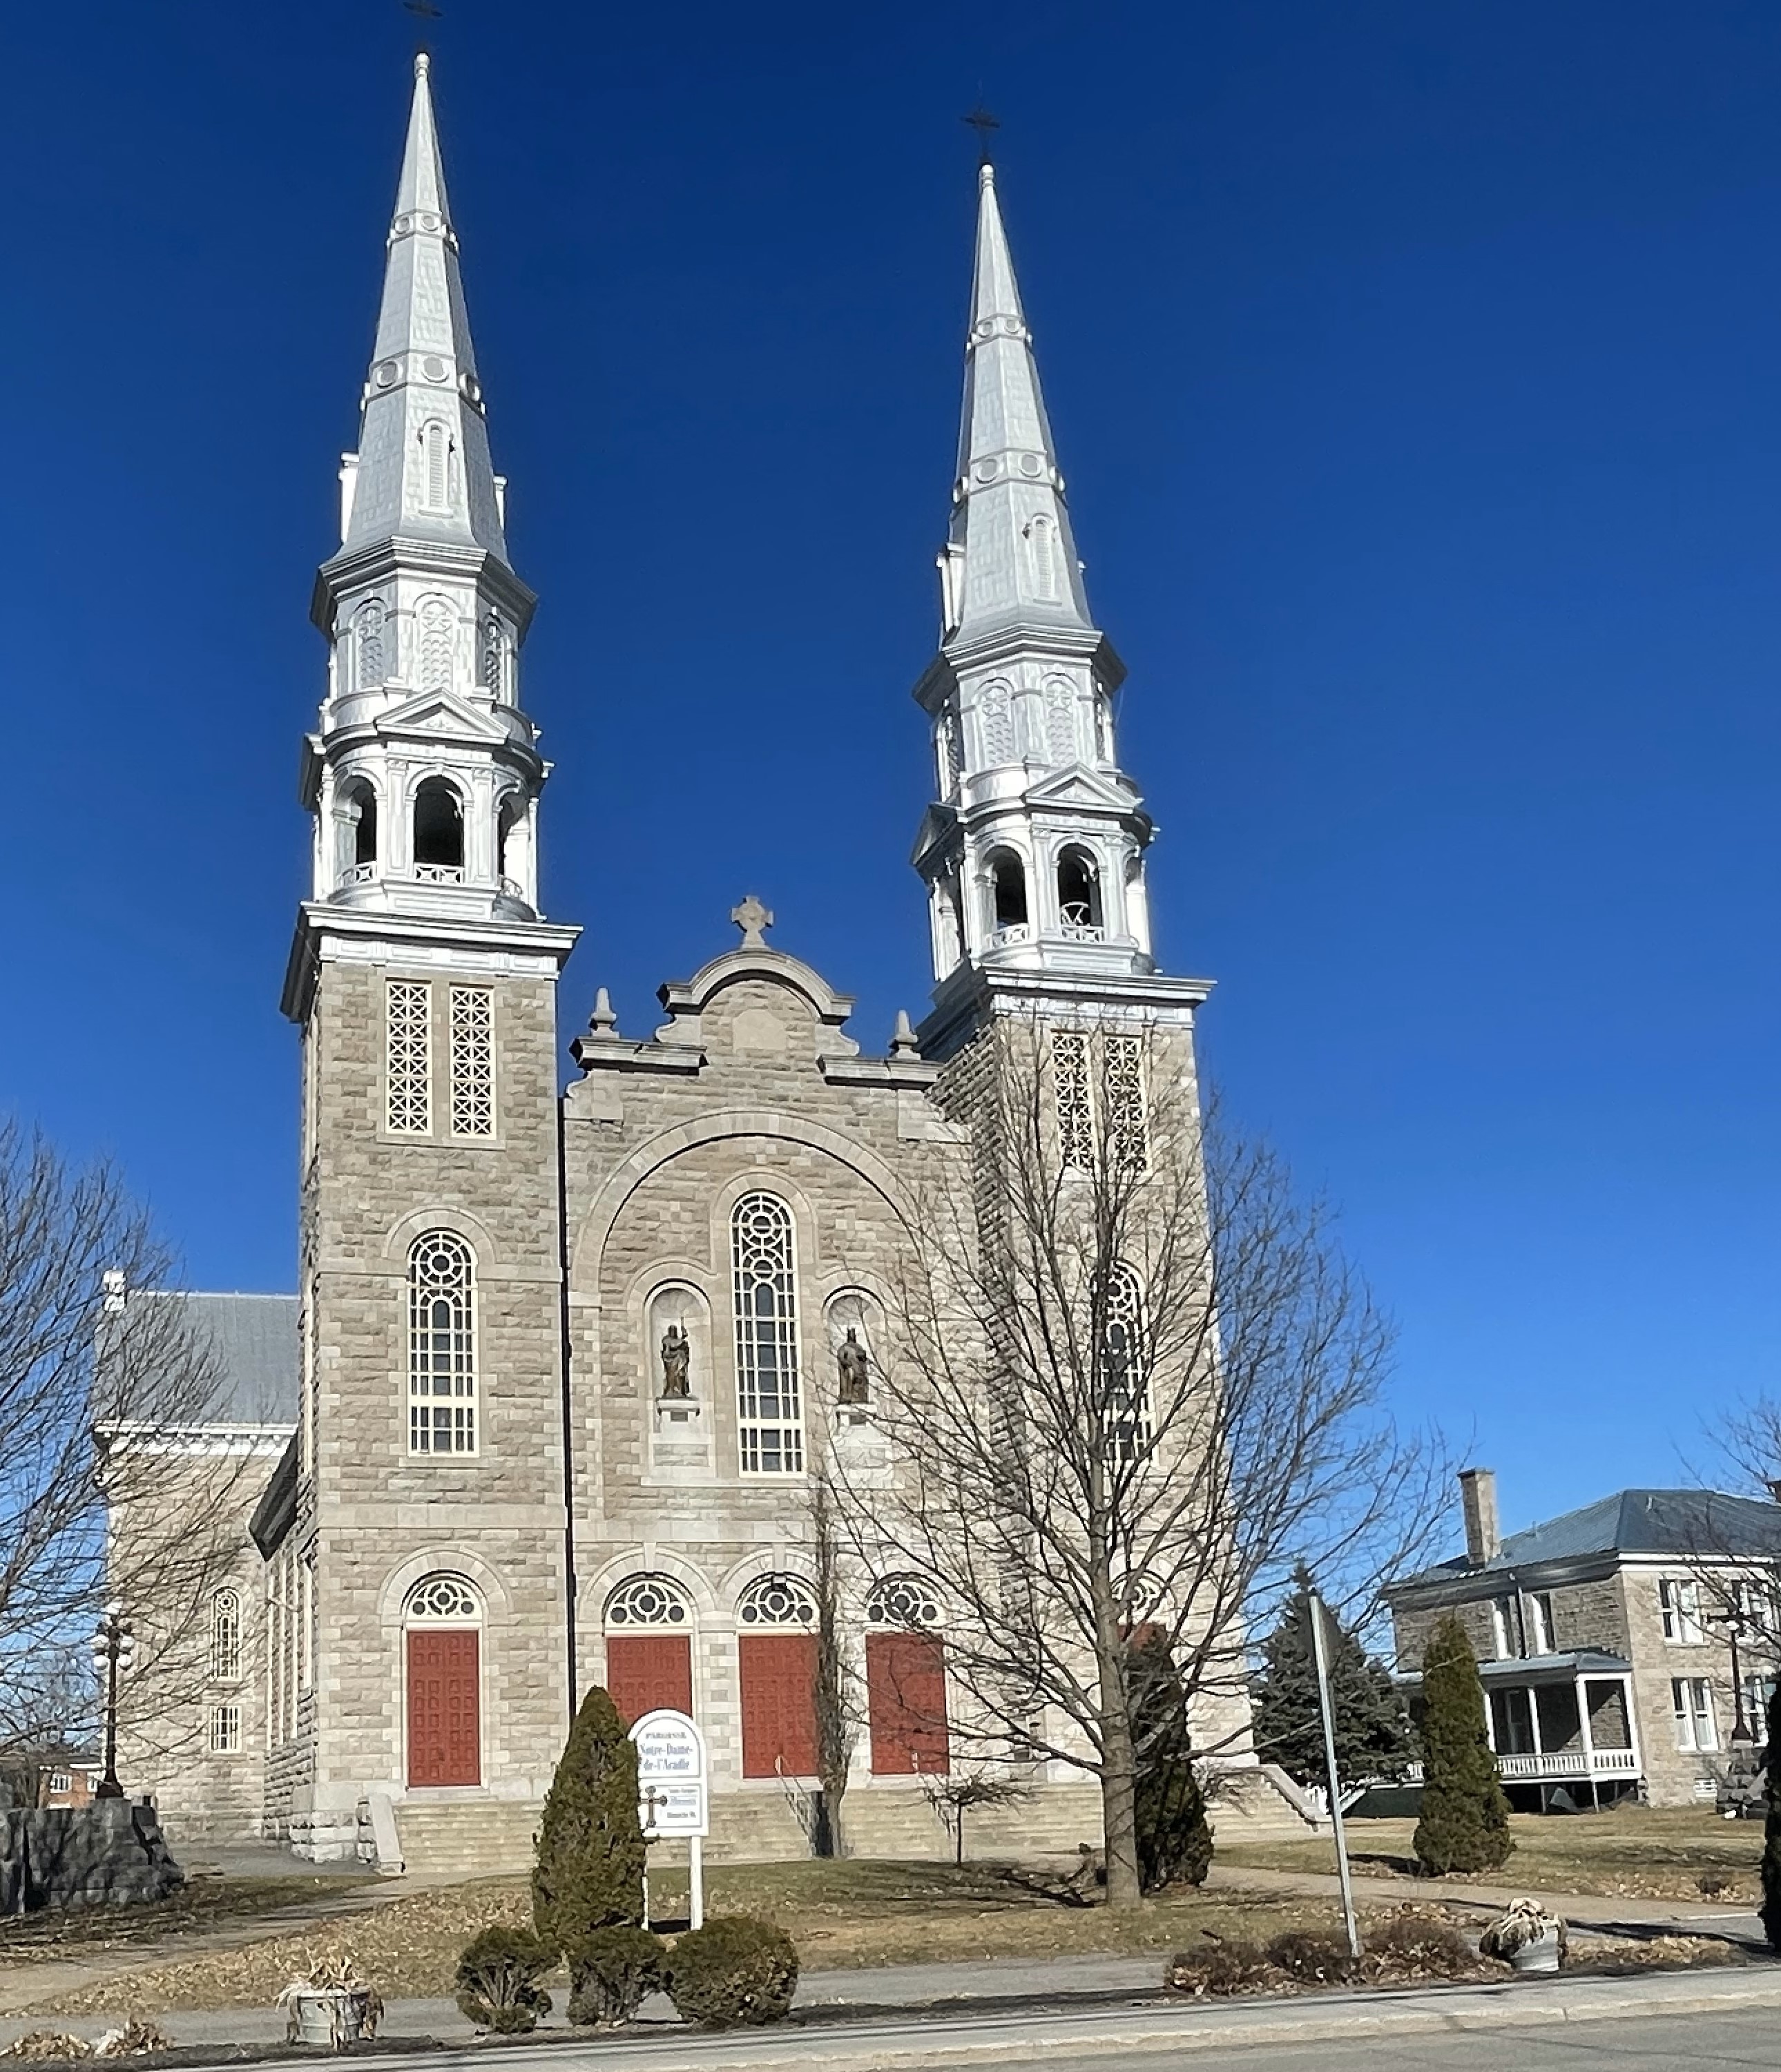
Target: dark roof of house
252,1339
276,1512
1702,1524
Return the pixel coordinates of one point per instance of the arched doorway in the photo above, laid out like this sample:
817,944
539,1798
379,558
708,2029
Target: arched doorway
776,1667
442,1621
648,1648
906,1680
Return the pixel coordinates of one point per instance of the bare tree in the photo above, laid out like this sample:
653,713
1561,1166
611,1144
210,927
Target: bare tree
99,1396
832,1690
1130,1382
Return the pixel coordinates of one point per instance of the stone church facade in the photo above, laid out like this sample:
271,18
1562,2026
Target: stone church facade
563,1356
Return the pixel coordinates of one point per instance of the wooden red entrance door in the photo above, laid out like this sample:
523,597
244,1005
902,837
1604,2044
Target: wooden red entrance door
906,1703
647,1671
778,1704
444,1731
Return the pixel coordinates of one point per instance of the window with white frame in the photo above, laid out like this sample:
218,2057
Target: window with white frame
1692,1699
1758,1689
784,1601
225,1637
225,1729
1124,1365
649,1601
472,1061
1502,1633
408,1018
1679,1598
442,1350
768,1387
1540,1621
61,1783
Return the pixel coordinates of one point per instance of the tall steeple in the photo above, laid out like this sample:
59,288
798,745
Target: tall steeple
424,775
1033,852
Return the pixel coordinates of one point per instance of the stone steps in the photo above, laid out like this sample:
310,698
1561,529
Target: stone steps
493,1836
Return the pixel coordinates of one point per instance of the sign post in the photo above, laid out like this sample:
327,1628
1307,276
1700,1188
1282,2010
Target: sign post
673,1797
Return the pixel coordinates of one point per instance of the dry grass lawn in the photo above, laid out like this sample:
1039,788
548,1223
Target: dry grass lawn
839,1915
1637,1852
203,1903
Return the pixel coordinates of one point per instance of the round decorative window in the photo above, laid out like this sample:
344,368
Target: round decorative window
904,1601
443,1597
647,1601
782,1601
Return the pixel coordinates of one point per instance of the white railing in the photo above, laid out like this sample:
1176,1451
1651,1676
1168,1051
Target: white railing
1082,931
512,888
359,874
439,873
1015,932
1555,1767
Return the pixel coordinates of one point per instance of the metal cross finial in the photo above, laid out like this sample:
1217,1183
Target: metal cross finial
980,120
751,917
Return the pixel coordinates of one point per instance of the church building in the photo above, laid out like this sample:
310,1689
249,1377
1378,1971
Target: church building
563,1356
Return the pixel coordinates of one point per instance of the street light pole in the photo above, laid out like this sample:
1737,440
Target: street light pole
112,1650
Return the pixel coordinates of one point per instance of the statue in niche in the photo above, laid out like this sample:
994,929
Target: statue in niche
853,1366
676,1365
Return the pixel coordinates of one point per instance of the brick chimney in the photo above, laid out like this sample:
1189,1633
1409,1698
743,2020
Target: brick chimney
1477,1501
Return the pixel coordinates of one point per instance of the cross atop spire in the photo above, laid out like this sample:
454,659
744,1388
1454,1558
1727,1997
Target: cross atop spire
423,470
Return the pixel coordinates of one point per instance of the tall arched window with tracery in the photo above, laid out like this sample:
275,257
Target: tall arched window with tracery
436,465
441,1344
768,1391
1125,1364
225,1637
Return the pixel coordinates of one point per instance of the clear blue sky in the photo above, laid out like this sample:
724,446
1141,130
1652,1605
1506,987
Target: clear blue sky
1415,372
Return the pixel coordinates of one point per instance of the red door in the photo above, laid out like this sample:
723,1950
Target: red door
906,1703
778,1704
647,1671
444,1735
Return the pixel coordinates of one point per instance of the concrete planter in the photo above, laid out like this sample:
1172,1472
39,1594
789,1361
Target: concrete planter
328,2018
1540,1953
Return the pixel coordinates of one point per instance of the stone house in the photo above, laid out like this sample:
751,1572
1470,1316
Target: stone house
1627,1649
562,1358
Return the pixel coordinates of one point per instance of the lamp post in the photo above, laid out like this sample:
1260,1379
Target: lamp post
112,1650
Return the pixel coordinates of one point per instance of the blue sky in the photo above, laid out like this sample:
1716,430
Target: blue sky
1414,372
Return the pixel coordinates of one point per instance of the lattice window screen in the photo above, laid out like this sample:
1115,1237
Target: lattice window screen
409,1070
1125,1364
1127,1129
767,1386
441,1358
1074,1097
472,1061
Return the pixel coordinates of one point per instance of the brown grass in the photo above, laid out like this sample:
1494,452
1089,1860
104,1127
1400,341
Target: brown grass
1636,1852
204,1904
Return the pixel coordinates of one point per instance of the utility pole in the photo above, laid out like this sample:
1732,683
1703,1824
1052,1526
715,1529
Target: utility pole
112,1650
1315,1605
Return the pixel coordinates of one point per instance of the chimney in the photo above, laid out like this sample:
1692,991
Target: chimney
1477,1501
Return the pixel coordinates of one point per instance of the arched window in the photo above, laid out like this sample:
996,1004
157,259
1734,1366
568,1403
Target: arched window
443,1618
367,631
646,1601
995,723
442,1600
436,465
1007,893
768,1393
436,620
355,816
494,656
225,1637
783,1601
439,832
510,833
1125,1364
1079,894
909,1604
441,1349
1042,540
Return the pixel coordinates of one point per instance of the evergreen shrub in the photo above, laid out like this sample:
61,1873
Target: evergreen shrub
1770,1909
611,1973
590,1870
1465,1823
734,1973
498,1979
1174,1840
1372,1734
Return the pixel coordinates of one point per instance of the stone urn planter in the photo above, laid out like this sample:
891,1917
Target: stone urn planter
331,2007
1526,1936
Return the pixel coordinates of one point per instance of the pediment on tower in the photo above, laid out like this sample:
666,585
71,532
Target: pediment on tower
433,714
1086,789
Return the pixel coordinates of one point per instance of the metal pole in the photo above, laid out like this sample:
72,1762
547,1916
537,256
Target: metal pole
1316,1608
696,1866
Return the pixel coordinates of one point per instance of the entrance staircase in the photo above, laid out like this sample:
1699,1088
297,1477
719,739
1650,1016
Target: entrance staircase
467,1837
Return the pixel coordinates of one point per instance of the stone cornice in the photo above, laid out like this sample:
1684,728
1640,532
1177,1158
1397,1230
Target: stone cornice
539,945
404,554
970,996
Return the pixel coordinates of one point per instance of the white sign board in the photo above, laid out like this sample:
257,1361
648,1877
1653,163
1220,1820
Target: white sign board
672,1798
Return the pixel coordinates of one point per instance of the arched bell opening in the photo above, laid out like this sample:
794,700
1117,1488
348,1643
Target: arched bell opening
1079,893
1007,891
439,828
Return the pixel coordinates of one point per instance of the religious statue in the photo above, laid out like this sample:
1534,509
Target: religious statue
854,1367
676,1360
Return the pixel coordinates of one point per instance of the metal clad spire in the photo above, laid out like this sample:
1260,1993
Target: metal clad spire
424,470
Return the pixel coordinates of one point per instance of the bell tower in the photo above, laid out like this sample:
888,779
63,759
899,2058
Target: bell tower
1034,850
425,1551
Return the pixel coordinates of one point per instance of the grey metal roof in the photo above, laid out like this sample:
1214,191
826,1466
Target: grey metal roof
1683,1522
253,1338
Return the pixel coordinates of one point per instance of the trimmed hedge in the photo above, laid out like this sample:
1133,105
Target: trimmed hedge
734,1973
611,1973
498,1975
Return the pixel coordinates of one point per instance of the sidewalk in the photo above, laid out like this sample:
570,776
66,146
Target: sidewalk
991,2035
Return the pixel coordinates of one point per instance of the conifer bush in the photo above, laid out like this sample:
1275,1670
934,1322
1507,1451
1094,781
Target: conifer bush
590,1870
734,1973
611,1973
1770,1909
1372,1734
498,1975
1174,1840
1465,1823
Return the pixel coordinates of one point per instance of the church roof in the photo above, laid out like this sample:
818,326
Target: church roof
252,1340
